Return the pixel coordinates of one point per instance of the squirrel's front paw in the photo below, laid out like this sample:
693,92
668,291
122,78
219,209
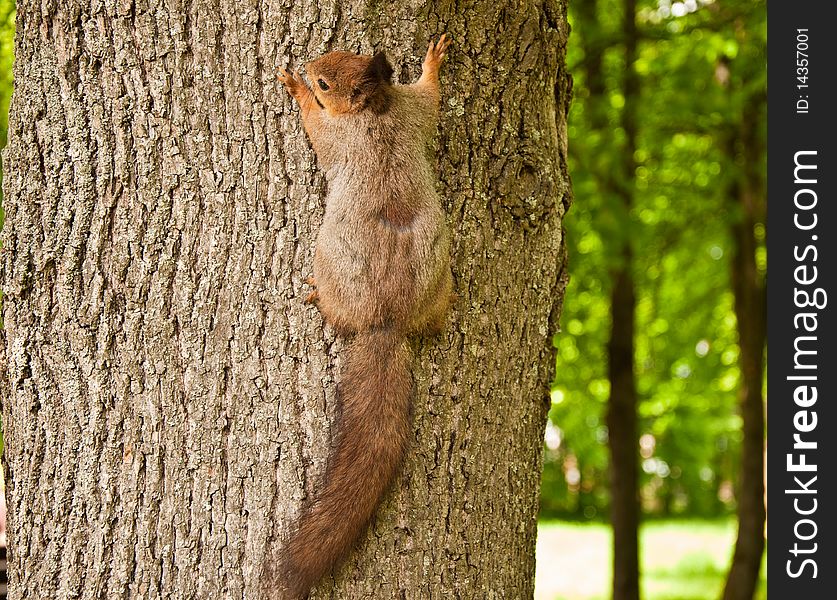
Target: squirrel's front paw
293,81
436,54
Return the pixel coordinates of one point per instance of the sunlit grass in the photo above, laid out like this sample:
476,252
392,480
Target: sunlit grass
681,560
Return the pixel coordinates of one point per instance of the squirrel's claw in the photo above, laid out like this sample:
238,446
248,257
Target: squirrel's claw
291,80
313,296
443,44
436,52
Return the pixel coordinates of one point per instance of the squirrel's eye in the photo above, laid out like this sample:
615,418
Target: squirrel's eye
323,85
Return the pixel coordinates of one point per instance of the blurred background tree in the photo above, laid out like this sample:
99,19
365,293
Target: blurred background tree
668,160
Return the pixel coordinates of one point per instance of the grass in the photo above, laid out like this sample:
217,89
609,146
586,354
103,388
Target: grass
681,560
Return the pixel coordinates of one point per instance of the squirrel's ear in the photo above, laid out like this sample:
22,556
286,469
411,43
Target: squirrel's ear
379,68
367,89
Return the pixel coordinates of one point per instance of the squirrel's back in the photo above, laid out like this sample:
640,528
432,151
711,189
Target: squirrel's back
383,246
381,271
385,153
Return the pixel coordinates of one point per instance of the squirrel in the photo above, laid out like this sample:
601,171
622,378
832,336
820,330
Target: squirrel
381,273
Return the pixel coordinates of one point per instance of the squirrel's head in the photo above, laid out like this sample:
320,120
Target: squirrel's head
350,83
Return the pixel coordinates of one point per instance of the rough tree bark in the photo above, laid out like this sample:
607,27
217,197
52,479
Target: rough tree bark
169,397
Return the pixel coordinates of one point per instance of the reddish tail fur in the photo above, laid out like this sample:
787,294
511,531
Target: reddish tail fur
374,425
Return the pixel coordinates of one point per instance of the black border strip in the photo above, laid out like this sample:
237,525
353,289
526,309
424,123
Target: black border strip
800,123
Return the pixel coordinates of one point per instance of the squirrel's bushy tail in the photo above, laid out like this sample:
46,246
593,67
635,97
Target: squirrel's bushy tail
373,428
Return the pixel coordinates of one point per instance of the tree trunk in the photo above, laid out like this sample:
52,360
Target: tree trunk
747,194
623,437
618,182
169,401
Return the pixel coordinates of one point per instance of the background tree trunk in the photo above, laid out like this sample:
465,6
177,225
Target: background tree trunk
168,399
616,183
747,195
623,436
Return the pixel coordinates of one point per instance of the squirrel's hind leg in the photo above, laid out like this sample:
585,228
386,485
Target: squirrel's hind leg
432,321
314,296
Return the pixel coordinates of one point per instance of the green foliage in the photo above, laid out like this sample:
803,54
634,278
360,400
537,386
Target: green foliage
7,42
698,70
